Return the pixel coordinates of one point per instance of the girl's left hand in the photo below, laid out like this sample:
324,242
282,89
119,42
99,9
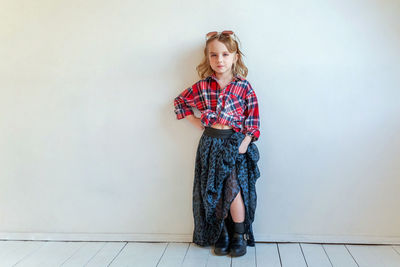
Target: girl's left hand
243,146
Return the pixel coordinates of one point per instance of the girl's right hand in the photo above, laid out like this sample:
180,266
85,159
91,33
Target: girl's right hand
195,121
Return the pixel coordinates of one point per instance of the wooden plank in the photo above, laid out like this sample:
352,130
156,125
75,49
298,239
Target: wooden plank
8,246
315,255
196,256
106,254
84,254
218,260
374,255
140,254
267,255
339,255
51,254
173,255
396,248
291,255
248,260
23,250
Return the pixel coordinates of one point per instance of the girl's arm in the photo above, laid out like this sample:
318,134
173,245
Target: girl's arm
183,103
252,121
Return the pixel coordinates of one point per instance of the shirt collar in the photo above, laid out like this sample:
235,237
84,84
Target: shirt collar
236,77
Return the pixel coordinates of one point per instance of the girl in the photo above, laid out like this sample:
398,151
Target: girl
224,193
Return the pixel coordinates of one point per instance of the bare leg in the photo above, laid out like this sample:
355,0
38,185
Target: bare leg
237,208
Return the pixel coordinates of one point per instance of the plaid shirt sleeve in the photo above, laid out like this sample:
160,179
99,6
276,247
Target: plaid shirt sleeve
252,121
183,103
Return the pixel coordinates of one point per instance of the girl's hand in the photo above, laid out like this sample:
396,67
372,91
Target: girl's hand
244,145
195,121
198,124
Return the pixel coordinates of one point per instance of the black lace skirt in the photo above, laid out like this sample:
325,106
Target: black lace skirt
220,174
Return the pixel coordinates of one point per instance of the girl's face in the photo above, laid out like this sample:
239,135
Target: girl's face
221,60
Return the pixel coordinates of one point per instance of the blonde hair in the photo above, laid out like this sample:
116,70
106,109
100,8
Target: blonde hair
204,69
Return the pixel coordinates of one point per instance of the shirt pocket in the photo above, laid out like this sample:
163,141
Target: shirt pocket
234,105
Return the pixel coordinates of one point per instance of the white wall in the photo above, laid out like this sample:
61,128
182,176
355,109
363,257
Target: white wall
91,149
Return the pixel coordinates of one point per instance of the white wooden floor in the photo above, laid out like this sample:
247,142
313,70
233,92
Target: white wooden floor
54,253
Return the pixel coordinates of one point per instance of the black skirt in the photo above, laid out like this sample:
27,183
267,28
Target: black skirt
220,173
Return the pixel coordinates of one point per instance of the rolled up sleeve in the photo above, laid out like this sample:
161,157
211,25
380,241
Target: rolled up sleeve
184,103
252,121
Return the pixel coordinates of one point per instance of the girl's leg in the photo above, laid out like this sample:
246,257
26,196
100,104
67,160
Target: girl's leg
238,243
237,208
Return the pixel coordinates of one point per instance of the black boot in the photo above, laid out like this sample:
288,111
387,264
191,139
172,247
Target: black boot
221,247
238,244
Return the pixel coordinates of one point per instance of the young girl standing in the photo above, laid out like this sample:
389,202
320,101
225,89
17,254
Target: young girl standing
224,193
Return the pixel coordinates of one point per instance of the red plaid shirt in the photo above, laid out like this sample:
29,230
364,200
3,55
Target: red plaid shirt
236,105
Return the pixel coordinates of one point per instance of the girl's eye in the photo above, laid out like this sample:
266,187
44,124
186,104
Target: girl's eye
224,55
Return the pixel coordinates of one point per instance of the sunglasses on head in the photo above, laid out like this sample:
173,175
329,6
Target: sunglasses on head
211,34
